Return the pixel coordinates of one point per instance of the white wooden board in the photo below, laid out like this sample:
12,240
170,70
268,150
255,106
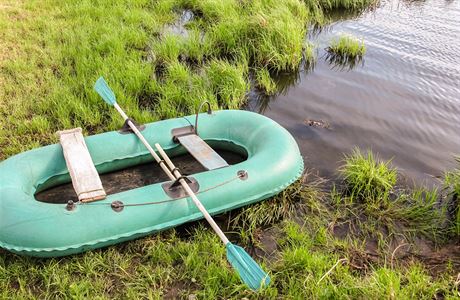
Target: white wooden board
201,151
85,179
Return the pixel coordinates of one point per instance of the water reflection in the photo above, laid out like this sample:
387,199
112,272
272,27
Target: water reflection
260,102
342,63
179,27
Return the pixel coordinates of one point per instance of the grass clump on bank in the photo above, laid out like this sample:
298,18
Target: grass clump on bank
370,190
367,178
345,4
265,82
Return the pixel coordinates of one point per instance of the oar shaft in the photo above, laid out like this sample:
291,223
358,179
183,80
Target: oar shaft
122,113
144,141
192,195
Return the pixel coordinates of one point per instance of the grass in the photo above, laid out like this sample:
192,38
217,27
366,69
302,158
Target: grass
308,272
370,193
350,5
53,53
345,51
47,74
452,185
264,82
367,178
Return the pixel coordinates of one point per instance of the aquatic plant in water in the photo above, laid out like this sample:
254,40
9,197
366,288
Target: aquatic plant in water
345,51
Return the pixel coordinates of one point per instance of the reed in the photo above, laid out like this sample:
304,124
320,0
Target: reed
345,4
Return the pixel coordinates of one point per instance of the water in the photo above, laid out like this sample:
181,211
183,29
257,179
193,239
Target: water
402,102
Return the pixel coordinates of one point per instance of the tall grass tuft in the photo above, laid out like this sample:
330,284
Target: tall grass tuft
344,4
265,82
345,51
367,178
370,193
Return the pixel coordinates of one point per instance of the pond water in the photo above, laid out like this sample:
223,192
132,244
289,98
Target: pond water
402,101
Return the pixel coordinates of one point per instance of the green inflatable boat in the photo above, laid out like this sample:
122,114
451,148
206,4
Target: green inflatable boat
36,228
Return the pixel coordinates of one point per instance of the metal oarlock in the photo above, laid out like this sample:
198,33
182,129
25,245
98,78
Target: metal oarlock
175,190
126,129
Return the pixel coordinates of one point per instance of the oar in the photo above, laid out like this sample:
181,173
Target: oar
250,272
103,89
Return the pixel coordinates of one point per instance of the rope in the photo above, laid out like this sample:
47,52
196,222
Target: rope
165,200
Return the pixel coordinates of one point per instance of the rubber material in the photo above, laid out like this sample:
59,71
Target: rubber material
34,228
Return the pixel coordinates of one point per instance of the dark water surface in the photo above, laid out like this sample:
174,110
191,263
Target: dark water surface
403,102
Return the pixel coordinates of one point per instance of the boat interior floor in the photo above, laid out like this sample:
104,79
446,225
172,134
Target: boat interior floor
134,177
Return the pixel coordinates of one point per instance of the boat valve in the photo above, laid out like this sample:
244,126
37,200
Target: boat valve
117,206
242,174
70,205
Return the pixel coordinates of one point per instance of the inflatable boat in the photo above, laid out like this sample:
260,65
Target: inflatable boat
31,227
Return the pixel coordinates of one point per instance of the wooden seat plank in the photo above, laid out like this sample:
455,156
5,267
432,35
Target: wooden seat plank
202,152
85,179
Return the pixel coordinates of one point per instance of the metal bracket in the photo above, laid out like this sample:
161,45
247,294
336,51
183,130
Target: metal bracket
175,190
125,129
181,131
198,111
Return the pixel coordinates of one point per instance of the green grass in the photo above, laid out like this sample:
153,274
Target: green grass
367,178
251,220
305,270
47,74
345,51
349,5
370,193
264,82
452,185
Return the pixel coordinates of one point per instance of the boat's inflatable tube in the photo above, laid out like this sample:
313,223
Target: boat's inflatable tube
35,228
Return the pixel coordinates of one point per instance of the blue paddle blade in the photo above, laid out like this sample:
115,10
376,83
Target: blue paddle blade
250,272
103,89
